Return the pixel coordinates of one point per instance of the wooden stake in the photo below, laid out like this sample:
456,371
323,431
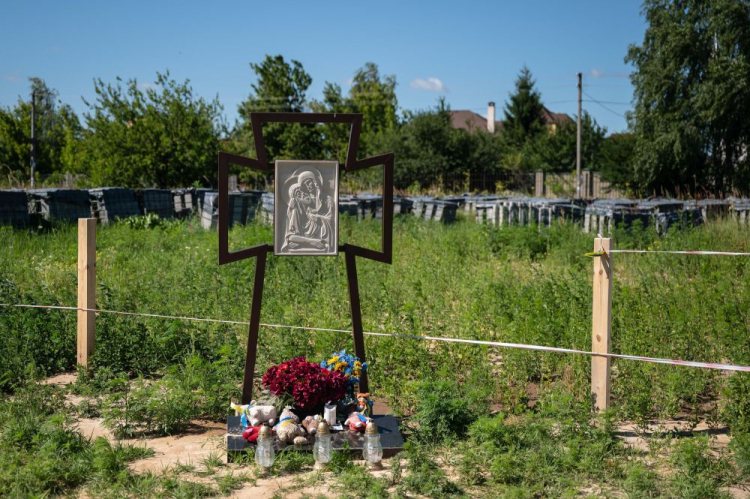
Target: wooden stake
601,332
86,288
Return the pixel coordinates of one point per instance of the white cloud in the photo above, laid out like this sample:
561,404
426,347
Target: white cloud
147,86
431,84
13,78
595,73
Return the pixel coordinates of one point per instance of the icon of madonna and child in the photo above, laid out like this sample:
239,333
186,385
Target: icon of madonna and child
306,221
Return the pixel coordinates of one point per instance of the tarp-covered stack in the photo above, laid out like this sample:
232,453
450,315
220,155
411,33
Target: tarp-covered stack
370,206
600,214
111,203
59,204
711,209
14,209
445,211
402,205
668,212
348,205
418,205
740,209
184,201
200,194
242,208
485,208
266,208
158,201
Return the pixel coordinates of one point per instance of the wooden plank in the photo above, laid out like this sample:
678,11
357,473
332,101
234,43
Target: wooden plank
601,332
86,288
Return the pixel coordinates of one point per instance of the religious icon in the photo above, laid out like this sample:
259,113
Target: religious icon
306,207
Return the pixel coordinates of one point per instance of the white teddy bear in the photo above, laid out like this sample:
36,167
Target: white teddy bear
262,414
288,428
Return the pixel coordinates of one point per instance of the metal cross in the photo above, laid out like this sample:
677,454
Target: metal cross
261,251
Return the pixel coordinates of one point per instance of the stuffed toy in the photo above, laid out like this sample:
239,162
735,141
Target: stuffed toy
261,414
287,428
364,405
300,441
251,433
357,422
310,423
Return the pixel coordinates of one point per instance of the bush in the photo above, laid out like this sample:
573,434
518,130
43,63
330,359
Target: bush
443,411
197,389
740,447
42,454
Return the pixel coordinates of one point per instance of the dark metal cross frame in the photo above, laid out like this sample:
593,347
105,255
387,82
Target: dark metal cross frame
261,251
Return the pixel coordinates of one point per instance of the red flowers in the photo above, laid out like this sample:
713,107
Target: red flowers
307,383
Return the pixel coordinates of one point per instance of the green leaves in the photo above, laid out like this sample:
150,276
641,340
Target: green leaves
692,96
58,132
162,136
523,111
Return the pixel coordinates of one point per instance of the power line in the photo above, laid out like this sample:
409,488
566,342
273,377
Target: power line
605,107
614,103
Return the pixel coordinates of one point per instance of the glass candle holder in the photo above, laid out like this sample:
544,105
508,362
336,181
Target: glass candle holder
323,448
372,450
265,454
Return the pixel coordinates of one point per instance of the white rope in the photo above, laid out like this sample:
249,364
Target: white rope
521,346
685,252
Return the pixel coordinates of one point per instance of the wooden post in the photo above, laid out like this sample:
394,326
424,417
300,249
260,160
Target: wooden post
601,332
86,288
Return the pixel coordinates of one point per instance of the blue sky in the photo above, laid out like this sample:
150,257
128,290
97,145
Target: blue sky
470,52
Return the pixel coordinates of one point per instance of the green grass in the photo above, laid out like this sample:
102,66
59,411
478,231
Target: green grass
464,280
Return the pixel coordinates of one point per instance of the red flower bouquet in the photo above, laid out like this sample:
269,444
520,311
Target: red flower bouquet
308,384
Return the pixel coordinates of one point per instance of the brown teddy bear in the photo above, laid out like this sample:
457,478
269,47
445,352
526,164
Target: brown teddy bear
310,423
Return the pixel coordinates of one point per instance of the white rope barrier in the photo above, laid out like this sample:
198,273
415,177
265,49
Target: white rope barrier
521,346
674,252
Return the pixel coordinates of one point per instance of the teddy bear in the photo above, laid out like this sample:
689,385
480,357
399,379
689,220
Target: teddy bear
310,423
261,414
287,428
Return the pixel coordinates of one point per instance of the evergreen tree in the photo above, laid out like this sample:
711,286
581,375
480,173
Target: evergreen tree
523,111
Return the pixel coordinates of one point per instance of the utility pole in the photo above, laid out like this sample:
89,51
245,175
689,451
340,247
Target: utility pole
33,137
578,138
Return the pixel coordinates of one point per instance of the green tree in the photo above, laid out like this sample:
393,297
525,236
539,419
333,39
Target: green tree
281,87
431,153
616,161
692,95
335,140
163,136
372,95
58,131
523,111
375,97
557,150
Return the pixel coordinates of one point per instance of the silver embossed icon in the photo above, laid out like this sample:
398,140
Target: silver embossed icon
306,208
